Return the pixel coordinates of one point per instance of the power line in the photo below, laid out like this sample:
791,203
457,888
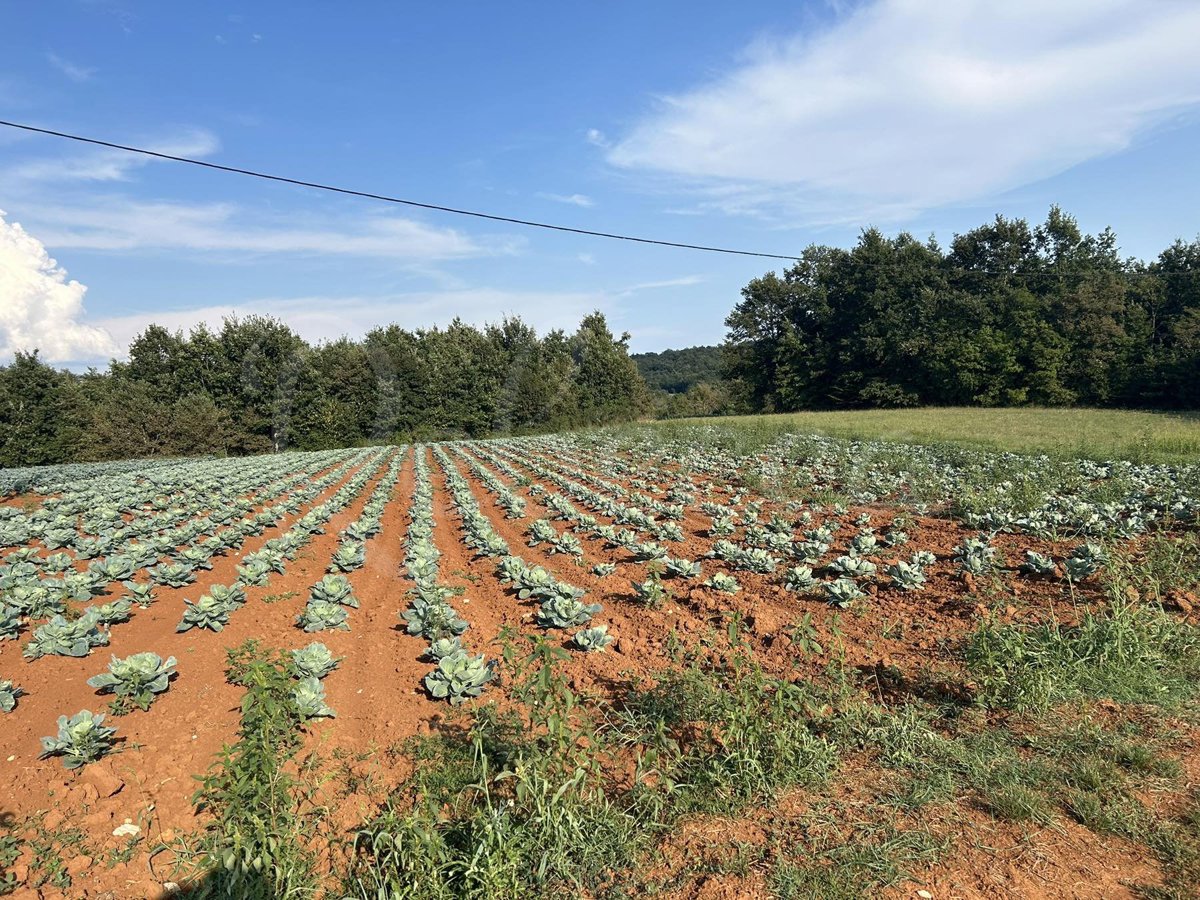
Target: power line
373,196
514,221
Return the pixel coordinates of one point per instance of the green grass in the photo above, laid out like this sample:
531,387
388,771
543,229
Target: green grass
1091,433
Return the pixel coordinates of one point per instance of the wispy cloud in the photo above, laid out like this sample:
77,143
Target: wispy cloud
120,223
572,199
685,281
902,106
84,218
108,165
76,73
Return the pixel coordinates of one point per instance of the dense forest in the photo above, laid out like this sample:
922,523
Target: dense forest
687,382
676,371
1008,315
256,386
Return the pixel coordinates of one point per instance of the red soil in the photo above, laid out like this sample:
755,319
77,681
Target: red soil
378,695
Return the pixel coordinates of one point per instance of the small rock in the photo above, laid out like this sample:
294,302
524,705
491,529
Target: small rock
924,895
104,779
127,830
167,836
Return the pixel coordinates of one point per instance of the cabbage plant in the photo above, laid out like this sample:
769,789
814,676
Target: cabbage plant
720,581
233,595
592,640
443,647
458,676
172,574
334,589
906,576
141,594
9,693
1037,564
58,562
349,556
256,573
842,592
135,679
432,619
114,568
207,612
318,615
11,621
799,578
314,661
58,637
535,581
852,566
112,613
309,697
565,612
682,568
81,739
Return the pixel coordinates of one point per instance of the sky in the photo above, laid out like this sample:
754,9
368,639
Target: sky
766,126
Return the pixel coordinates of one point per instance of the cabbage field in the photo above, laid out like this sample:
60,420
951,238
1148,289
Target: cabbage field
682,663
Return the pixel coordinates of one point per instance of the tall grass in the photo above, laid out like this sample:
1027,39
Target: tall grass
1140,436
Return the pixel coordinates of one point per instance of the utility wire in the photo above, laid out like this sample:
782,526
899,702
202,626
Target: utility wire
508,219
372,196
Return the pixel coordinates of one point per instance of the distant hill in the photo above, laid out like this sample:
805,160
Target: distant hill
674,371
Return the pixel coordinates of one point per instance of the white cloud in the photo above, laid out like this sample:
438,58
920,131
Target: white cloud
109,165
903,105
685,281
596,138
39,308
119,223
571,199
76,73
323,318
84,219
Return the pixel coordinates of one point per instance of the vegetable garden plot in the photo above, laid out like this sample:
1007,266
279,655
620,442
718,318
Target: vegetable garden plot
397,581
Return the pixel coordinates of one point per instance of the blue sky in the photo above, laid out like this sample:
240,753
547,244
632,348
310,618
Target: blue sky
765,126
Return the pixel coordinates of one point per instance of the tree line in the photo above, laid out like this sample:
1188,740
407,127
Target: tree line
256,386
1009,314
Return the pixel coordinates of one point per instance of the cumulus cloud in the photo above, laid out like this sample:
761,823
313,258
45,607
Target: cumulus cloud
39,308
904,105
